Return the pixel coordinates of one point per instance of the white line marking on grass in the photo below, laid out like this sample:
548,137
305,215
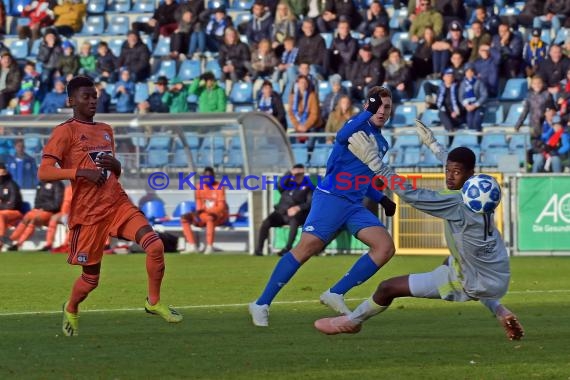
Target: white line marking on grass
216,306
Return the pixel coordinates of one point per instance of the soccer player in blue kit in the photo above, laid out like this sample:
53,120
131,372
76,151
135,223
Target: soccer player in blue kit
337,205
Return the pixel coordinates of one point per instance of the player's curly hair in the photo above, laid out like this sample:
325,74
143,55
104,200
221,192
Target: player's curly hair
463,155
78,82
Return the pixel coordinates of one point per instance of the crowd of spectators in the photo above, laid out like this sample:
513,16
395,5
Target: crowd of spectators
467,48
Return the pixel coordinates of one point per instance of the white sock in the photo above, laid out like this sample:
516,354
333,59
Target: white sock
366,310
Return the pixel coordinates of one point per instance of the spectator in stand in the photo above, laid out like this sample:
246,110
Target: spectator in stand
366,73
442,49
554,12
510,47
22,167
49,53
211,211
453,11
422,60
343,50
457,66
263,61
334,12
212,37
10,202
270,102
10,79
49,197
397,76
487,65
304,110
68,64
427,17
287,63
380,42
40,16
551,151
176,97
233,56
260,26
125,92
536,103
312,49
103,98
331,100
87,61
107,64
531,10
342,112
154,102
554,68
448,102
211,97
564,98
479,37
302,69
30,75
489,22
187,19
534,52
135,56
26,103
372,17
292,209
61,217
56,99
163,21
285,26
303,9
473,95
69,17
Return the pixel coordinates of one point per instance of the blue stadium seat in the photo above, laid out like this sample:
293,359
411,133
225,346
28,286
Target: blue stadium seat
167,68
242,217
242,5
214,67
19,49
190,69
324,88
493,115
241,93
162,47
94,25
141,92
404,141
398,18
428,159
156,158
116,45
407,157
244,108
35,47
509,11
235,158
110,89
545,36
515,90
421,94
519,144
33,145
18,6
430,117
210,156
328,37
159,142
401,40
213,4
491,155
300,153
192,140
144,6
513,115
464,139
153,210
493,140
320,155
562,36
118,25
214,142
96,6
182,208
242,17
404,116
120,6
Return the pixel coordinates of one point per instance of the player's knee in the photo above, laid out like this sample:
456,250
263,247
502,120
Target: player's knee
386,289
152,245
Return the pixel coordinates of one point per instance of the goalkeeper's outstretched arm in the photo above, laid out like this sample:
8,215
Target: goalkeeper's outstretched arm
428,139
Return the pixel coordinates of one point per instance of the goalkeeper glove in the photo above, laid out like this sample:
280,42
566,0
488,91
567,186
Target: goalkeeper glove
365,148
374,103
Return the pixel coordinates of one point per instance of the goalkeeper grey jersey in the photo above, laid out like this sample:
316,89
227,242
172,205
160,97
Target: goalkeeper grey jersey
479,251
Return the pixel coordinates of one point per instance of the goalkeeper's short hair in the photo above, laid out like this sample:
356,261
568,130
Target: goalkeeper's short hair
463,155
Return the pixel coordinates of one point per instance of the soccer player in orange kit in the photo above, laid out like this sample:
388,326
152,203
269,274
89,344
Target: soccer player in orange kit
82,151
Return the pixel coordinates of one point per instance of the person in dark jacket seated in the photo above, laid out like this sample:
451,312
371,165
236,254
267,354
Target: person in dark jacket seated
49,197
292,209
10,201
270,102
154,102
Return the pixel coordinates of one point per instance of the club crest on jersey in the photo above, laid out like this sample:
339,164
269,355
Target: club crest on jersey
107,137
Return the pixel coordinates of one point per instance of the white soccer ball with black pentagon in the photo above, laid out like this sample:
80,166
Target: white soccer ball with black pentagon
481,193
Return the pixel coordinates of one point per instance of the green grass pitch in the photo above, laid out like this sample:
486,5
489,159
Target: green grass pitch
415,339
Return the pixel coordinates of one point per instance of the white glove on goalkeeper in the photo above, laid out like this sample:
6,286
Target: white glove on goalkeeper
428,139
365,148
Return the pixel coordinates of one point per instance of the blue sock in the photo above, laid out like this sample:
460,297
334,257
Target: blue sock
284,270
362,270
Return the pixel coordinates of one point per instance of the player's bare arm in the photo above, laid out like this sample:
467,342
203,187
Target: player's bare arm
48,171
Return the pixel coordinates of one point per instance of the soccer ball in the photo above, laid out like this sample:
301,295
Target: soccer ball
481,193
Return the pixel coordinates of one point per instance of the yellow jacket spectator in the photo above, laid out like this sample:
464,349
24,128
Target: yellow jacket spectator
69,16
